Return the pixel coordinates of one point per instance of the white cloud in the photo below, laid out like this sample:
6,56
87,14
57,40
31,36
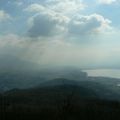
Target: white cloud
12,45
58,52
66,6
47,25
91,24
45,22
52,24
4,16
48,21
35,8
107,1
11,40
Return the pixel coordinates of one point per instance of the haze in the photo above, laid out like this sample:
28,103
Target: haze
79,33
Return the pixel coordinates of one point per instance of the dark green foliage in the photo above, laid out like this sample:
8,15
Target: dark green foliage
63,102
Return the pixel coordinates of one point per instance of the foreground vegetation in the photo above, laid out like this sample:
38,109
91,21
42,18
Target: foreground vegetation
64,102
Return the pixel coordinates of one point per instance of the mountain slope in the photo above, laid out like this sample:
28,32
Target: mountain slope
57,102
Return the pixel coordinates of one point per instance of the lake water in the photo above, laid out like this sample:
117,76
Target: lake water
115,73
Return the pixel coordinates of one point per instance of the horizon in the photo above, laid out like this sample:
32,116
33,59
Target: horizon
59,59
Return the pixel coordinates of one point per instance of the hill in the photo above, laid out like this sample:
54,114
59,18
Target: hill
65,100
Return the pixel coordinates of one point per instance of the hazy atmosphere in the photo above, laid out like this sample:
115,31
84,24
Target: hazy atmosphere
60,59
78,33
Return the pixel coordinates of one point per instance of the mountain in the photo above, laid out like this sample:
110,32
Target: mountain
50,92
24,74
58,81
100,90
21,74
104,91
64,100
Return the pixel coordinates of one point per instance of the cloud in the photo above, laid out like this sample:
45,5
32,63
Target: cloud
12,40
51,26
51,19
47,25
45,22
35,8
91,24
66,6
59,6
59,52
4,16
30,49
107,2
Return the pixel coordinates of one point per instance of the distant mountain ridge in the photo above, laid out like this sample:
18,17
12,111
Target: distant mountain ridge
61,84
21,74
62,101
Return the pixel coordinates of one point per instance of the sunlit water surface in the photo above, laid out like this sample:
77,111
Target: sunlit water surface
114,73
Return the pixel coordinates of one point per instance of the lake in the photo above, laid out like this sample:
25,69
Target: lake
115,73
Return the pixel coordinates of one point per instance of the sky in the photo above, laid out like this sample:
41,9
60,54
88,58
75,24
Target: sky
84,33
